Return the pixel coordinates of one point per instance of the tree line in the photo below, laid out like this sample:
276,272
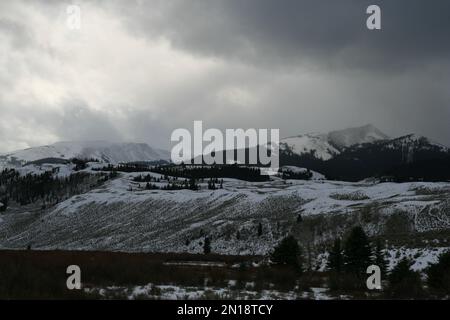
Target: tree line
348,261
46,187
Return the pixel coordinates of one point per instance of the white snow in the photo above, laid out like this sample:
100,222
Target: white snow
327,145
316,144
101,150
112,217
422,257
353,136
175,292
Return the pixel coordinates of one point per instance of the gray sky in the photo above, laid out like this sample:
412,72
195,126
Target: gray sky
136,70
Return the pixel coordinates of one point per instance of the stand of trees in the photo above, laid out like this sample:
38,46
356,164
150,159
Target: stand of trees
215,171
347,266
299,175
348,262
191,171
45,187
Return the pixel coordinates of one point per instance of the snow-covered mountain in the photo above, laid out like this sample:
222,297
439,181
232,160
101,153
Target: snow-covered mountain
352,136
325,146
413,141
315,144
102,150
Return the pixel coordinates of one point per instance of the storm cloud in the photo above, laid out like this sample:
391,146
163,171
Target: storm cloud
136,70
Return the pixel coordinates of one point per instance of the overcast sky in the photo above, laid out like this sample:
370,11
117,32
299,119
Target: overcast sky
136,70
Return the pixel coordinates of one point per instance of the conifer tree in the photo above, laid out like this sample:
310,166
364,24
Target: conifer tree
438,274
380,257
288,252
260,229
404,282
335,259
357,252
207,246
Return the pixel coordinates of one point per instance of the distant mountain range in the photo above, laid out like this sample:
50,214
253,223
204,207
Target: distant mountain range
351,154
362,152
105,151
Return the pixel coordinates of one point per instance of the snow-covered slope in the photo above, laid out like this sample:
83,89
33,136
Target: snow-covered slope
312,143
101,150
325,146
351,136
416,142
117,217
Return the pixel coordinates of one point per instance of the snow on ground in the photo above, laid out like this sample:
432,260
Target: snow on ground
122,215
422,257
308,143
60,170
174,292
102,150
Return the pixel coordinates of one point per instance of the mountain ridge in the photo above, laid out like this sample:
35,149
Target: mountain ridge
325,146
106,151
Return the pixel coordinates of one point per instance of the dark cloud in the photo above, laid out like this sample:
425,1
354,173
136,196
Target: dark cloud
330,33
139,69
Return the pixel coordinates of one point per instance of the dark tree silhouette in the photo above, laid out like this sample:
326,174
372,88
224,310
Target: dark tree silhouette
357,252
260,229
380,257
335,259
288,252
207,246
403,282
439,274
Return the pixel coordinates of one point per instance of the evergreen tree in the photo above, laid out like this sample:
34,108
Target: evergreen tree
260,229
3,204
288,252
380,257
207,246
439,274
403,282
335,259
357,252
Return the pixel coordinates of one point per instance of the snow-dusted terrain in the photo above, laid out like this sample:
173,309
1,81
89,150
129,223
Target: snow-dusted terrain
174,292
315,144
352,136
122,215
325,146
102,150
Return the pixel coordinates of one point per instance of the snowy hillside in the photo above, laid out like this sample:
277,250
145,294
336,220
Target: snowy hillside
414,141
313,144
359,135
122,215
325,146
101,150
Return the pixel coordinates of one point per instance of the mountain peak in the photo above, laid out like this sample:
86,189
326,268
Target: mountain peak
356,135
326,145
